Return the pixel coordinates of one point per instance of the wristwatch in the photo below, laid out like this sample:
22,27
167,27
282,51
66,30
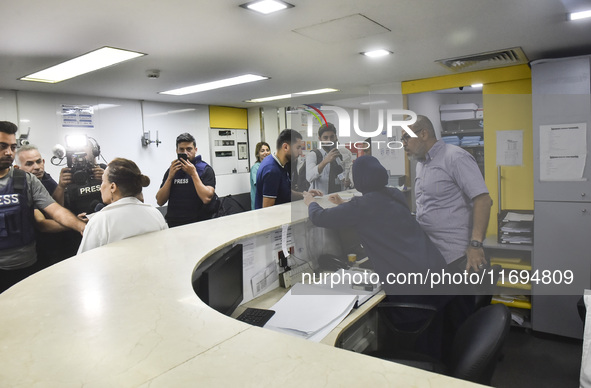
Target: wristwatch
476,244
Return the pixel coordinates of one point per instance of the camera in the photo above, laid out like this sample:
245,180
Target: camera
81,168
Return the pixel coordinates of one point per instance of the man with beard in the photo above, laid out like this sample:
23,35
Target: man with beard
19,192
328,168
188,186
273,177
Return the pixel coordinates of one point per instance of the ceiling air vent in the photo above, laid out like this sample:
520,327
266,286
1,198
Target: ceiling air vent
491,59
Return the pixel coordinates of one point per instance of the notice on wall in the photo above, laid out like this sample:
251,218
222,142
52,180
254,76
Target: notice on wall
563,152
79,116
510,148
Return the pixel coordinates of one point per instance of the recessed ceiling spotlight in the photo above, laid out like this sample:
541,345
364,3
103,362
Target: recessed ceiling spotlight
242,79
266,6
377,53
579,15
476,85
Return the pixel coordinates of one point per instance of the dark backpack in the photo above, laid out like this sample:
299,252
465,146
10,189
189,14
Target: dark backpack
228,205
299,181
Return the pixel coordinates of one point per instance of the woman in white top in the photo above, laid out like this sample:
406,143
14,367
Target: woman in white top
125,215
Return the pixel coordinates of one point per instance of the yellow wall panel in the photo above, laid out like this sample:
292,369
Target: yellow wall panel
226,117
510,73
508,106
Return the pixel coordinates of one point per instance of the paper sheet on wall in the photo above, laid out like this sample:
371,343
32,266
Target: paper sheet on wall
510,148
563,152
279,241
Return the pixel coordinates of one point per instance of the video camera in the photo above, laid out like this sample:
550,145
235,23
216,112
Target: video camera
76,157
81,168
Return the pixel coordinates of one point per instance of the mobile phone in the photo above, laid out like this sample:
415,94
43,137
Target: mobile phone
182,156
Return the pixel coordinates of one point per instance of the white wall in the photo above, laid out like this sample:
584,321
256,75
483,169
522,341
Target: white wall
271,126
118,129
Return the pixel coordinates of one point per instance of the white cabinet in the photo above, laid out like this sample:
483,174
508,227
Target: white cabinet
229,151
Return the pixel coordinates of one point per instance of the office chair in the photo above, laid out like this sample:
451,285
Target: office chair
403,339
475,349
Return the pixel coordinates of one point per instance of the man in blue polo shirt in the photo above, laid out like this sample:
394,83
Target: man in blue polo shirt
273,177
188,186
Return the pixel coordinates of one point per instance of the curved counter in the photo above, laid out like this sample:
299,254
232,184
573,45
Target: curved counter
126,315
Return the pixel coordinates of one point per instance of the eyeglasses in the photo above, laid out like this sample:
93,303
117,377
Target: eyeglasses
404,138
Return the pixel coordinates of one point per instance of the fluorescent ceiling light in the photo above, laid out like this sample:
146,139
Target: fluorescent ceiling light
241,79
476,85
378,102
377,53
267,6
285,96
319,91
94,60
579,15
272,98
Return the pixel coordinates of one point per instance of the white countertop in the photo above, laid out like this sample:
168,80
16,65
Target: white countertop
126,315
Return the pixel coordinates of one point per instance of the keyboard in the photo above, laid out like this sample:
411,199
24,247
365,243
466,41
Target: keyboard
256,317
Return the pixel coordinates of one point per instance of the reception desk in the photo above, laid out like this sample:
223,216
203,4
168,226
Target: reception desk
126,315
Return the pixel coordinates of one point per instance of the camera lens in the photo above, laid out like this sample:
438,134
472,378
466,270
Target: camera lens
80,177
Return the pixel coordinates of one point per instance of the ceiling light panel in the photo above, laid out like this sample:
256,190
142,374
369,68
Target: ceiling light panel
94,60
285,96
579,15
241,79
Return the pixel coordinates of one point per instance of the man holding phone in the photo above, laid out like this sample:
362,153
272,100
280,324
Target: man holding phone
328,167
188,186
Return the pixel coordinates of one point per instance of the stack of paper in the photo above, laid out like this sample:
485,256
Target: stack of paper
310,312
512,216
470,141
516,239
516,227
455,140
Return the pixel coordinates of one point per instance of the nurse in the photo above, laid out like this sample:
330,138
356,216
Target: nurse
261,151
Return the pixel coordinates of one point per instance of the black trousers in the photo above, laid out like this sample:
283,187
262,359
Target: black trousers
8,278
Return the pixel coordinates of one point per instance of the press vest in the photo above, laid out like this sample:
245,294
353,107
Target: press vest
184,204
83,199
16,216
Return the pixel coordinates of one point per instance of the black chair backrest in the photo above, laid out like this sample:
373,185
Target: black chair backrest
478,344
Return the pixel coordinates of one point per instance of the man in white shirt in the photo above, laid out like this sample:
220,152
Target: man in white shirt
328,168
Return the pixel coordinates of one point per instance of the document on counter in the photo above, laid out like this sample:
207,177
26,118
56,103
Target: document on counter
307,310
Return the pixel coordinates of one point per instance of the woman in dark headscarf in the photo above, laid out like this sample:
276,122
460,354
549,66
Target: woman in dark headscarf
391,237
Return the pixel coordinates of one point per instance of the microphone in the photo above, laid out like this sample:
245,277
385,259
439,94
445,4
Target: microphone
97,206
59,151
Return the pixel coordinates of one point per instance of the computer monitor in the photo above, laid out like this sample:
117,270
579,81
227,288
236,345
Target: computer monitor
218,281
